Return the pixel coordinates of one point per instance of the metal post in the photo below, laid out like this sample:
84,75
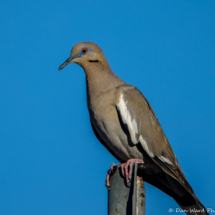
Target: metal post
124,200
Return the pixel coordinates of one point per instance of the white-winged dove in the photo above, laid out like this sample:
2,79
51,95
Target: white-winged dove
125,123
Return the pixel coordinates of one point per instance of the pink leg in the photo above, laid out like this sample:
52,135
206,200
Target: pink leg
110,171
126,170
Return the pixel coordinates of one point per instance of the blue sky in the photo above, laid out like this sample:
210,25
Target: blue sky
50,160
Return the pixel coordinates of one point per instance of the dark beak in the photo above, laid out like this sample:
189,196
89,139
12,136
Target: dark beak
68,61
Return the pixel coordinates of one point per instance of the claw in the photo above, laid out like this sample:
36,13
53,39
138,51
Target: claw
108,176
126,170
112,165
122,169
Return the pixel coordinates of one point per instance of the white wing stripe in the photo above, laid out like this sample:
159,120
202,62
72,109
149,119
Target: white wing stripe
166,160
133,129
126,118
146,147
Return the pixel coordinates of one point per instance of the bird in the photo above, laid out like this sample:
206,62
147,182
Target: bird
124,122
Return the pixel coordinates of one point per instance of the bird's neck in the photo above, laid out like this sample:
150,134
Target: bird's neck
100,80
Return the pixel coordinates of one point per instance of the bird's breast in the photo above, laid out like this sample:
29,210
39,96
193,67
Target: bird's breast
106,122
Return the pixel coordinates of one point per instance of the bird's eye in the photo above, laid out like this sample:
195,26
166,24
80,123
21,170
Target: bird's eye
84,50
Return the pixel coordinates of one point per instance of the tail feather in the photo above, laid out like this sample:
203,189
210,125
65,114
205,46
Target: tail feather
195,209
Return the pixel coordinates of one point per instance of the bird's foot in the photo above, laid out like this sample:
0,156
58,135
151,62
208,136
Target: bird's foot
109,174
126,170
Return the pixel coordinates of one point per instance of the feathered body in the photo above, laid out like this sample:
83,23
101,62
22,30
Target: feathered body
125,123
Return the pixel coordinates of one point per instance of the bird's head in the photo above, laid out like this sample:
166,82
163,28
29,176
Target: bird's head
86,54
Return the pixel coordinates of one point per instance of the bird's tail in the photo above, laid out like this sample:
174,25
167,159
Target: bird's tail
195,209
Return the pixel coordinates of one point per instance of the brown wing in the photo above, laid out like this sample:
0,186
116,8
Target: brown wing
140,118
